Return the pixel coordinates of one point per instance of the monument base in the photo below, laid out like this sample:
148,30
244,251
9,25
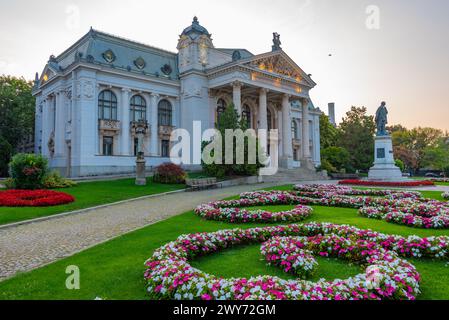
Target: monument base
140,172
384,168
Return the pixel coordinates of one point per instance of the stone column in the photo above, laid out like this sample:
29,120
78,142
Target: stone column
237,97
46,126
60,124
305,132
287,159
154,148
125,134
263,121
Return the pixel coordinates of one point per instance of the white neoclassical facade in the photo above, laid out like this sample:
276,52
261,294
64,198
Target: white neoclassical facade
89,98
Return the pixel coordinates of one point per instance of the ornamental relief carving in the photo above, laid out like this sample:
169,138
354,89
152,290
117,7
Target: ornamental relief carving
279,65
192,91
84,89
88,89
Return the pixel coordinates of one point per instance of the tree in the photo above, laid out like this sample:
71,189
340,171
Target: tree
328,133
436,157
5,156
356,135
338,157
229,120
16,110
407,156
411,146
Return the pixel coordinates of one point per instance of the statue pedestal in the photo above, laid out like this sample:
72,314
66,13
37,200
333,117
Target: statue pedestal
141,180
384,167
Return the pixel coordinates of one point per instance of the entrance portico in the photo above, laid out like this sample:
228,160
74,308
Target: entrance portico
263,90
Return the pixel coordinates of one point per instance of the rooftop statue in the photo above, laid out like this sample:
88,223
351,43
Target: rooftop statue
381,120
276,41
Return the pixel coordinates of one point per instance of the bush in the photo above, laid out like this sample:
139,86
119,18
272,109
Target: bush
229,120
28,171
326,165
5,156
446,171
337,158
54,181
170,173
400,164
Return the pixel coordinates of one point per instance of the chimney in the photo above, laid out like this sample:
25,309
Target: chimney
331,108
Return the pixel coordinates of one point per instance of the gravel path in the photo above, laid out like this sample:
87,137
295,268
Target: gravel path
26,247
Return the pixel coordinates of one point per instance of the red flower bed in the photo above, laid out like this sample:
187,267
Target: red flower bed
416,183
33,198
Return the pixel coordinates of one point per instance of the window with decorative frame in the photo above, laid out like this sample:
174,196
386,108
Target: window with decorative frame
107,105
165,113
138,107
221,108
294,129
108,146
165,148
246,116
269,120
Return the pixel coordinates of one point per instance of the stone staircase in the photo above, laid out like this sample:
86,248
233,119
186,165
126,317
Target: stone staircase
296,175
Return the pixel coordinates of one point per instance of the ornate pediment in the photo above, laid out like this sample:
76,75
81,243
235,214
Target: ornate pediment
280,64
277,64
47,75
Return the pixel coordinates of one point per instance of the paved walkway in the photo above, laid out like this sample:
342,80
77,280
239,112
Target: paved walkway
26,247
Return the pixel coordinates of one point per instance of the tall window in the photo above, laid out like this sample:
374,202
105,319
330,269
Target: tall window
138,108
294,129
165,148
165,113
136,146
107,105
269,119
246,116
108,146
221,107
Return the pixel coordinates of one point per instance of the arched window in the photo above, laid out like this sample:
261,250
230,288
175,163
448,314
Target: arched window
138,108
165,113
294,129
246,116
269,120
107,105
221,107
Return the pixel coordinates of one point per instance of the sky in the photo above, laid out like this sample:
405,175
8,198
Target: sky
360,52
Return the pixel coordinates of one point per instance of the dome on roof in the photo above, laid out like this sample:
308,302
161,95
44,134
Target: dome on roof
195,28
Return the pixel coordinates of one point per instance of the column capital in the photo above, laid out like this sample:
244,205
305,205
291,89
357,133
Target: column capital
154,95
127,90
236,84
286,96
264,90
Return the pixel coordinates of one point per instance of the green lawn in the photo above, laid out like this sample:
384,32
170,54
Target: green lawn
89,194
114,270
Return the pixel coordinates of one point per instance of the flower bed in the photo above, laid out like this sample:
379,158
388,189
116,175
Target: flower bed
416,183
33,198
290,255
229,211
445,195
431,215
170,276
400,207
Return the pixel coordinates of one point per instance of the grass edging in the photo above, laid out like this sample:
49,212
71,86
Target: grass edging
81,211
